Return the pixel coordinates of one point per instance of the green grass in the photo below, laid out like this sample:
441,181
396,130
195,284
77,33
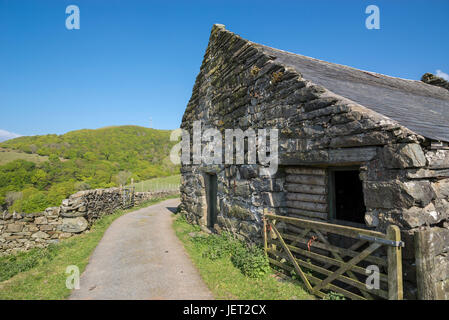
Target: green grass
159,184
225,280
7,155
40,273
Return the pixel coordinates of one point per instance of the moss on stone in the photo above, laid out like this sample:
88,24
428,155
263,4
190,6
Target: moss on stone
255,71
239,212
276,77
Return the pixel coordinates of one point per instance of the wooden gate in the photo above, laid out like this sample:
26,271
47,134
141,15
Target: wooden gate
308,249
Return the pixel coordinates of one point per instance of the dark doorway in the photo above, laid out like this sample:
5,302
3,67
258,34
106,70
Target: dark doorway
211,194
347,191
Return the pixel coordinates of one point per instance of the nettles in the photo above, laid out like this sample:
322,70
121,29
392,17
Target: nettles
250,259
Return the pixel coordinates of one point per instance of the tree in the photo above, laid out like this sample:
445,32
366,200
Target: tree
60,191
36,202
53,158
40,179
90,156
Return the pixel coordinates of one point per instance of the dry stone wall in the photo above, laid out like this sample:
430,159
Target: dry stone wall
22,231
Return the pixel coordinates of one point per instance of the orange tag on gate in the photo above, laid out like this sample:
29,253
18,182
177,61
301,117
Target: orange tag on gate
309,243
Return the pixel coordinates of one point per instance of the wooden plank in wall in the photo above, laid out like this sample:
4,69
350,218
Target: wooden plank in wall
306,179
307,192
351,155
310,206
317,198
306,170
306,213
305,188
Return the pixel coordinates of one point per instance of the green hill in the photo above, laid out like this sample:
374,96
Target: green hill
79,160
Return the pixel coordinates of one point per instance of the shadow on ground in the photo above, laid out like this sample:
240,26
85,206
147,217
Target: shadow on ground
172,209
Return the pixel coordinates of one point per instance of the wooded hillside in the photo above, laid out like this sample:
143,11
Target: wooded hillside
79,160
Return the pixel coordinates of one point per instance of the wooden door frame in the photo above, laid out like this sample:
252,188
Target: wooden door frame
210,219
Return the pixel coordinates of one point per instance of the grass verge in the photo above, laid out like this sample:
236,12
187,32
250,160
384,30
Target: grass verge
40,273
222,269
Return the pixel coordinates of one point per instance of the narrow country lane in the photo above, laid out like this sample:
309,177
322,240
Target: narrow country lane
140,257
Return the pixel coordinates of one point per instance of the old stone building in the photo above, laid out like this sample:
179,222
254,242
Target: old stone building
355,147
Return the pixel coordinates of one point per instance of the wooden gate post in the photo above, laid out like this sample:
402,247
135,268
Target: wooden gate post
395,287
424,266
430,276
133,200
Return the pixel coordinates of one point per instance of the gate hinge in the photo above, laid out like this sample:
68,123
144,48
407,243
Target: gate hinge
387,242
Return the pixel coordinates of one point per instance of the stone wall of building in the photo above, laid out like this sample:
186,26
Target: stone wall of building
22,231
405,180
435,81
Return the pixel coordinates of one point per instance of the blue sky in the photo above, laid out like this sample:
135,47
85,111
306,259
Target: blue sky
135,60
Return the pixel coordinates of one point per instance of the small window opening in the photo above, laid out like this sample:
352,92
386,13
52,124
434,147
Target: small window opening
347,203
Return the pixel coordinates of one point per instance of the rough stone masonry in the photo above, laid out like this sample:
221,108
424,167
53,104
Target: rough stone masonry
328,116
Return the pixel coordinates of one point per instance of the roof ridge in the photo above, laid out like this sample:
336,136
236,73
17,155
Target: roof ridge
418,106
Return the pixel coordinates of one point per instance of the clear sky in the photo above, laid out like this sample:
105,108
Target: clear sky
135,60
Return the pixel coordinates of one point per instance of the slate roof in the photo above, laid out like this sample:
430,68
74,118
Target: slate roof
421,107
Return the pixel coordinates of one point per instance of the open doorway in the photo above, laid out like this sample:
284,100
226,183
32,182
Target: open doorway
346,201
211,194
